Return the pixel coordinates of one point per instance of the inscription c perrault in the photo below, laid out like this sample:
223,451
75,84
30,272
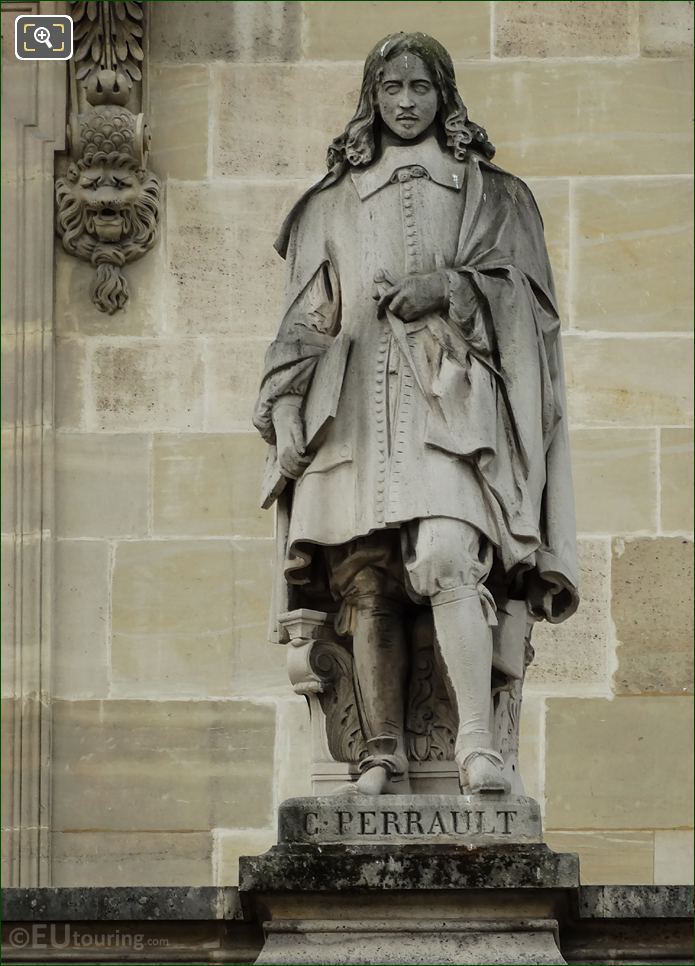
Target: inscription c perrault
411,822
450,819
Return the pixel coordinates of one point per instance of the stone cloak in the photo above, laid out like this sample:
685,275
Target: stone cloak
502,249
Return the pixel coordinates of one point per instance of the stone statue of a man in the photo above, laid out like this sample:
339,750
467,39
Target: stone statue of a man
421,340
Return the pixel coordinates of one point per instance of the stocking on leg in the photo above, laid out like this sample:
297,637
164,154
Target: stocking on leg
465,645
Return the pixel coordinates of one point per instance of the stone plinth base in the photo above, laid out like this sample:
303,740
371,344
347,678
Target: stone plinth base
414,940
409,903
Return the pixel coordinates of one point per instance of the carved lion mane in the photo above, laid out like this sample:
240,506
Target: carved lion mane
108,204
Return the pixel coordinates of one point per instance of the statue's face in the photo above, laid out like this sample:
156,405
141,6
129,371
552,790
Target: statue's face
406,97
108,195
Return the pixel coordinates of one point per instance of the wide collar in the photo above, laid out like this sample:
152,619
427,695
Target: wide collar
442,168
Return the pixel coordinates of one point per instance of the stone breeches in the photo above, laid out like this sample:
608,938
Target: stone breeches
418,561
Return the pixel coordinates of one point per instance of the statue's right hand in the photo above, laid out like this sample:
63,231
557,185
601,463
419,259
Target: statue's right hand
289,434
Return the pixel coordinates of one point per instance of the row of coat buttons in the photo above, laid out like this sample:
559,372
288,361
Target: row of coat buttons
410,227
379,399
404,404
403,422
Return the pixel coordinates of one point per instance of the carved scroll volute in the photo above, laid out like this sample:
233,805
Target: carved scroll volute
320,667
302,630
109,202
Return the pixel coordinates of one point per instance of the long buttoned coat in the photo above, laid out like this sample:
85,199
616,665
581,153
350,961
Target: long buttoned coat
471,423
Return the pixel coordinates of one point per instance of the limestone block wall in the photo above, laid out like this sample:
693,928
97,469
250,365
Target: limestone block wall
175,734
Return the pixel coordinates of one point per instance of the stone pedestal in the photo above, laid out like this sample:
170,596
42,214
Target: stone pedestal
412,940
409,879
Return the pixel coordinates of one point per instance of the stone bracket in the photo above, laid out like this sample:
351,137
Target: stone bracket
109,203
317,665
302,630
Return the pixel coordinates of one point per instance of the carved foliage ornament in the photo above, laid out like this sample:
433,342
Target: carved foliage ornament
109,203
108,36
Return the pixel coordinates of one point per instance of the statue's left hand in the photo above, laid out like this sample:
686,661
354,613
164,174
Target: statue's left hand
539,596
412,296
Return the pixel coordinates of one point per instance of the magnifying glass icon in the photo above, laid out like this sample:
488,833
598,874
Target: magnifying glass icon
42,35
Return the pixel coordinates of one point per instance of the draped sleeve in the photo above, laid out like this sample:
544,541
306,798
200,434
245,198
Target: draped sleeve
310,322
502,251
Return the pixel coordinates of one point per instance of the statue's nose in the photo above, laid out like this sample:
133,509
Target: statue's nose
105,189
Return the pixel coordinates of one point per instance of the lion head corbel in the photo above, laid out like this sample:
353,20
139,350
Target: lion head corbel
108,204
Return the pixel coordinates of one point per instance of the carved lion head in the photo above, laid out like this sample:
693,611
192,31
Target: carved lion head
108,204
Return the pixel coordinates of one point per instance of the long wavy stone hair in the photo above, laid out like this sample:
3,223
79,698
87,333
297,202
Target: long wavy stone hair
357,144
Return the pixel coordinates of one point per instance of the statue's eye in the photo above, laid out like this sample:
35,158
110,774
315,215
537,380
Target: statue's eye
92,183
